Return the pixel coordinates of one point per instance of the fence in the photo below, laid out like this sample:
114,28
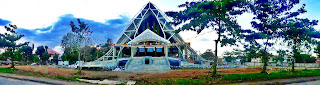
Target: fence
300,65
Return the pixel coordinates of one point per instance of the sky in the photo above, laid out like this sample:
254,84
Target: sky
44,22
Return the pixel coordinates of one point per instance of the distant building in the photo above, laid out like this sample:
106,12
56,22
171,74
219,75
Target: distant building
256,60
52,52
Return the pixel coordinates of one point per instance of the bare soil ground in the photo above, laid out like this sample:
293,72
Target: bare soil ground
187,73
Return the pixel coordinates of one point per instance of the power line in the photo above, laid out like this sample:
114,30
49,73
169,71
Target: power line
199,35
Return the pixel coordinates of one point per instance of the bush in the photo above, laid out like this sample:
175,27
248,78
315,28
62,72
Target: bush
6,70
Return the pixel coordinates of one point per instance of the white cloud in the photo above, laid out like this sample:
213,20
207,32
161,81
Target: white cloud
32,14
198,44
2,30
58,49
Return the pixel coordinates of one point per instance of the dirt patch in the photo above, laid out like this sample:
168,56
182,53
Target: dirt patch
188,73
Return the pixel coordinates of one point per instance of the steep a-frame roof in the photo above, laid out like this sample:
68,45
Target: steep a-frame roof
149,15
148,35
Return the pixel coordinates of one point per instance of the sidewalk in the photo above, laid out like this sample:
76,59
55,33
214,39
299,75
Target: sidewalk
280,81
43,80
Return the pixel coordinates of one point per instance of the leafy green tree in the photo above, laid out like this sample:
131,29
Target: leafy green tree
26,53
72,57
8,41
218,15
207,55
12,55
16,56
229,58
3,58
305,58
40,50
78,38
64,57
299,32
55,58
269,19
317,49
45,57
252,48
35,58
109,41
281,55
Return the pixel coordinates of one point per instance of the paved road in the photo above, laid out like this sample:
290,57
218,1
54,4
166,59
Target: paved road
317,82
10,81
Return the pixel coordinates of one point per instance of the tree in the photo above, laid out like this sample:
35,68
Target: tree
3,58
72,57
109,41
269,19
55,58
299,32
26,53
35,58
317,49
305,58
229,58
64,57
40,50
8,41
78,38
218,15
207,55
281,54
45,57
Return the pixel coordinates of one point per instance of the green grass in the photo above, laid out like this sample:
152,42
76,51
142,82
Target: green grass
10,70
74,78
7,70
232,78
176,81
273,75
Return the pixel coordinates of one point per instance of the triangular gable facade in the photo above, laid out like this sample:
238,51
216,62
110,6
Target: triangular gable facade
150,17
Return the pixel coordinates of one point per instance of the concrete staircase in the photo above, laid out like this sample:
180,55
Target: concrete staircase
156,65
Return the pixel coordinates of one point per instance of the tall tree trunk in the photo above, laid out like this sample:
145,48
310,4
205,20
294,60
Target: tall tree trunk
215,58
12,63
79,64
265,58
12,57
292,62
294,54
305,68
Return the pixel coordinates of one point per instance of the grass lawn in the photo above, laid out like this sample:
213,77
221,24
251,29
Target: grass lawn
6,70
21,72
231,78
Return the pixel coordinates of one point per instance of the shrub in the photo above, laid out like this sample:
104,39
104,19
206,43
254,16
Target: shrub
6,70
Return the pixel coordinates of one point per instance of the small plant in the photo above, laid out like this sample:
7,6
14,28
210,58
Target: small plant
7,70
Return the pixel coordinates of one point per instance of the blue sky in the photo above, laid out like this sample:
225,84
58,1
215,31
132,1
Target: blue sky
44,22
52,35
